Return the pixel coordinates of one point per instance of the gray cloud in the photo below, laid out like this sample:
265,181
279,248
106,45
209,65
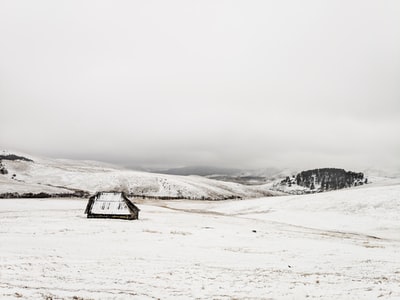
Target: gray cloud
229,83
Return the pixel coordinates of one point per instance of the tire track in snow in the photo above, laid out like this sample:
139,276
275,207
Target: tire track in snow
311,230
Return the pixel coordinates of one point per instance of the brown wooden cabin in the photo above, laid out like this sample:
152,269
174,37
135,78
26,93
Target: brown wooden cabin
111,205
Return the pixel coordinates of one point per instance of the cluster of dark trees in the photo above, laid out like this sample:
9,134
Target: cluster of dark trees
3,169
231,197
326,179
76,194
14,157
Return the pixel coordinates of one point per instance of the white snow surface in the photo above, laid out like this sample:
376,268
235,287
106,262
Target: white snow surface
112,208
64,176
336,245
109,203
109,197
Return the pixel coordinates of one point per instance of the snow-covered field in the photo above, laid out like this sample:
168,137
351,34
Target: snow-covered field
337,245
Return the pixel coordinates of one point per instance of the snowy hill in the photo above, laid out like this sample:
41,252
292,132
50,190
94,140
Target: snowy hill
30,176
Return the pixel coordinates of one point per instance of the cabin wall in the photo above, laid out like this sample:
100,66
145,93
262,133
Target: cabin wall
123,217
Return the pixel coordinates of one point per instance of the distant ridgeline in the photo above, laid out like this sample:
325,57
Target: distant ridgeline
321,180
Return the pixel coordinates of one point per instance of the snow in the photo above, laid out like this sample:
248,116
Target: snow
109,197
336,245
66,176
110,203
8,185
112,208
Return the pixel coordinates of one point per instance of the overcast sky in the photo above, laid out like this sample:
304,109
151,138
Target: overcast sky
246,84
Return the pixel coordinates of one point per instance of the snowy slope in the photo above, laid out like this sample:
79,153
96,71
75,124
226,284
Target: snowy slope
369,210
49,174
10,186
336,245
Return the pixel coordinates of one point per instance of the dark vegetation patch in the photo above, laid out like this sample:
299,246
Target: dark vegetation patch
77,194
3,170
231,197
326,179
14,157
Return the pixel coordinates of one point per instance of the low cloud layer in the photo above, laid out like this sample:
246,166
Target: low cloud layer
224,83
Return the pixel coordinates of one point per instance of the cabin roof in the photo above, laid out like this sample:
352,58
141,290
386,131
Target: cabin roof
110,203
109,196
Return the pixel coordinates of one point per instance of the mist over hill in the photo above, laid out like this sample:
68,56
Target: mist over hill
242,176
198,170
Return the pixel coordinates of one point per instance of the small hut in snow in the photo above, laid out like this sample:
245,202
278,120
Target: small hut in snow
112,205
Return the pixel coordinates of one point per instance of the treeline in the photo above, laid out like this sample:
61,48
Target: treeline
84,194
77,194
326,179
231,197
14,157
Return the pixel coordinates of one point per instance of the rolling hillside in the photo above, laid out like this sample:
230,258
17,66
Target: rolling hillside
26,175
